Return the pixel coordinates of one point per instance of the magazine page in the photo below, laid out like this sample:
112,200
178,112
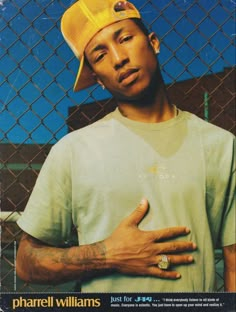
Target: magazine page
116,155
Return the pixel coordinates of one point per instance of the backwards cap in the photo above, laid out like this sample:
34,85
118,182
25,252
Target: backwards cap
83,20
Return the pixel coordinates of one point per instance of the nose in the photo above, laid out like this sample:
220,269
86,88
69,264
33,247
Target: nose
119,57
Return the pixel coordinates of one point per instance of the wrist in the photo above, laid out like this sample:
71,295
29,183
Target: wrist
92,260
112,255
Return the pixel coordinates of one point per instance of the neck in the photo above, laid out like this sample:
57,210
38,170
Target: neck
152,108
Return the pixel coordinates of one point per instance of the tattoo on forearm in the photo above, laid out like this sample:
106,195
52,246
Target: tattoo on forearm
63,264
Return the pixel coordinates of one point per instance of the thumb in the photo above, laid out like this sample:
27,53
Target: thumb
139,213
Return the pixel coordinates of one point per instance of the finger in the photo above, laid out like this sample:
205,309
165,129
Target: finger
138,214
173,260
155,271
175,247
176,259
171,232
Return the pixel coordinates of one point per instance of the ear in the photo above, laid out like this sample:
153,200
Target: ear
98,80
155,43
95,77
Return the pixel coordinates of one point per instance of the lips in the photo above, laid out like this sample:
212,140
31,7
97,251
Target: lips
127,74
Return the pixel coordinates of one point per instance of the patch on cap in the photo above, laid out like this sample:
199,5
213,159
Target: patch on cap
123,5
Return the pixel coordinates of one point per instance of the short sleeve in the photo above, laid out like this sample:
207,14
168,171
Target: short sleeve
228,233
219,147
47,215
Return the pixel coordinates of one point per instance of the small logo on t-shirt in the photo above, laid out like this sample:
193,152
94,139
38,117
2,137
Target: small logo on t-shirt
161,171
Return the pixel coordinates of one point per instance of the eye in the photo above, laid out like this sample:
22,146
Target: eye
126,38
99,57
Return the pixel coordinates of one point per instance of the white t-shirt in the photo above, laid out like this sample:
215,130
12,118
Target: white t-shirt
96,176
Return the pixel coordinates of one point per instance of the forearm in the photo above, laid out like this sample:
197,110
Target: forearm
43,264
230,280
230,268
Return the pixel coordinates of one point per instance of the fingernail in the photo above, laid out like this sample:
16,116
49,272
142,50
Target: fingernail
194,246
187,230
143,201
190,258
178,275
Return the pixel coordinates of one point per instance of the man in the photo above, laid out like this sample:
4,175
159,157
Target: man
93,178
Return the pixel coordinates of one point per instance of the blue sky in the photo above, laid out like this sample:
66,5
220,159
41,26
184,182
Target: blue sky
37,69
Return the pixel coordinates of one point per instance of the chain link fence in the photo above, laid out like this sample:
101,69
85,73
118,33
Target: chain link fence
38,106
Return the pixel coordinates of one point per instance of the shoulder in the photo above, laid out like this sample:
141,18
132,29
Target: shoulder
87,135
210,134
218,147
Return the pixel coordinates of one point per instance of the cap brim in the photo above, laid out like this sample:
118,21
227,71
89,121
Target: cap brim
84,77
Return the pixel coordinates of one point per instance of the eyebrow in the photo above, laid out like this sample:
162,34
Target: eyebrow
118,32
101,46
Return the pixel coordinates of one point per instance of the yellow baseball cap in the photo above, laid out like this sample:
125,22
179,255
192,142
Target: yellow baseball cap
83,20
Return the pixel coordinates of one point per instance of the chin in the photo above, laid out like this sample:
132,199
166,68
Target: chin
138,91
135,93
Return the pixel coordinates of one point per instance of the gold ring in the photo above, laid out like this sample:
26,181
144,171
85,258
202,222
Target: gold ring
164,263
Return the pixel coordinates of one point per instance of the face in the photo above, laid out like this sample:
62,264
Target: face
123,59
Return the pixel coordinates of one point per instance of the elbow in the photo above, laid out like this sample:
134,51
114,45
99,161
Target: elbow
29,266
21,274
21,270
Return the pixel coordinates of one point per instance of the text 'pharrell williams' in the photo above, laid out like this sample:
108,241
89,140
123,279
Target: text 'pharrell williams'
50,302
